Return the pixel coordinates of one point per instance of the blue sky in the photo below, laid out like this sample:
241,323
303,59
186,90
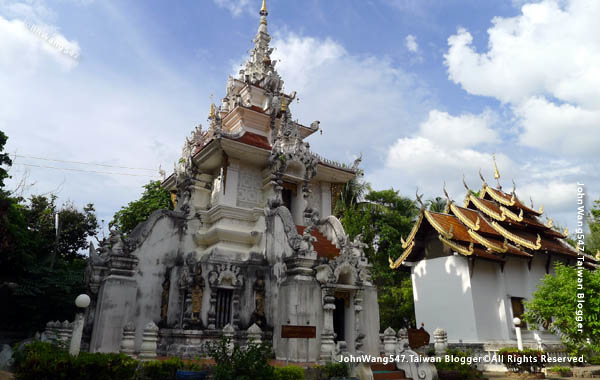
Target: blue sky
426,90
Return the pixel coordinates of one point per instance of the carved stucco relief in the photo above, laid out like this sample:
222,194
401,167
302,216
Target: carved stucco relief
249,184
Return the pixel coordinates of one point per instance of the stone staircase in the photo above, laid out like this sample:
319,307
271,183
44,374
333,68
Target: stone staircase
386,371
323,246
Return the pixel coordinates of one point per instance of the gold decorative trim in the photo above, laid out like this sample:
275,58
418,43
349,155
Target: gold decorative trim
488,244
457,247
437,226
463,218
400,260
412,233
517,239
500,199
541,210
512,215
550,223
486,210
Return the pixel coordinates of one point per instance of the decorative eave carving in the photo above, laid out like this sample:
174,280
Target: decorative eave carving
464,219
517,239
395,264
457,247
486,210
488,244
512,215
500,199
412,233
438,227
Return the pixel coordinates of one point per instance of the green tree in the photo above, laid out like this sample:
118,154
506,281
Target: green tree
352,193
29,286
436,205
592,245
556,300
4,160
154,198
382,219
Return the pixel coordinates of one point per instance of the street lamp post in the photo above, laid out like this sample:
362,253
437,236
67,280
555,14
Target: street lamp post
82,301
517,322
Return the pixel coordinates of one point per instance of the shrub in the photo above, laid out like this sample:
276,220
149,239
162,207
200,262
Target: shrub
465,370
44,361
251,362
289,373
335,369
563,371
160,370
526,360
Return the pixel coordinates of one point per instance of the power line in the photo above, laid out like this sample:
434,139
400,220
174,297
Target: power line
85,171
82,163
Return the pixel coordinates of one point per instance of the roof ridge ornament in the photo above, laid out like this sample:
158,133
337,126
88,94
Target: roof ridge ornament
496,172
482,179
419,199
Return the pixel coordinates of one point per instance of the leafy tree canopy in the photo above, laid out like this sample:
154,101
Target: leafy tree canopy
382,218
4,160
593,238
29,285
556,300
154,198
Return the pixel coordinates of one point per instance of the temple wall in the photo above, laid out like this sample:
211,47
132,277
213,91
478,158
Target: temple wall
299,304
165,245
369,321
443,297
489,301
478,301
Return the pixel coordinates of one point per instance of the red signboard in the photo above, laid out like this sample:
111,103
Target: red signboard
293,331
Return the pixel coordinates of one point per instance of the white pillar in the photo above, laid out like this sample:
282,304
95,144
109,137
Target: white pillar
254,334
149,340
325,199
389,341
517,322
441,341
75,345
128,340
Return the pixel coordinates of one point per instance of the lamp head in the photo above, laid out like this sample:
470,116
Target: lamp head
82,301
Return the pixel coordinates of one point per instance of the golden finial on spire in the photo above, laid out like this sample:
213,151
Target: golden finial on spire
263,9
496,172
283,105
211,114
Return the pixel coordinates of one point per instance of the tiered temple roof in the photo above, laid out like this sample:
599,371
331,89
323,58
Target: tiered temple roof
491,225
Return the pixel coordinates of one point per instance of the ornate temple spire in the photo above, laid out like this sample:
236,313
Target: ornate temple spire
259,64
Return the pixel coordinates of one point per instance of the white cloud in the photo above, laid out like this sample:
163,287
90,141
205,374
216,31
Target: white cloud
545,63
363,102
57,108
411,43
444,148
461,131
236,7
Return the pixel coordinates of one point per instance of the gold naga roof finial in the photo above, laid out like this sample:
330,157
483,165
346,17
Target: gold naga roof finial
419,199
448,200
496,171
550,223
482,179
465,184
